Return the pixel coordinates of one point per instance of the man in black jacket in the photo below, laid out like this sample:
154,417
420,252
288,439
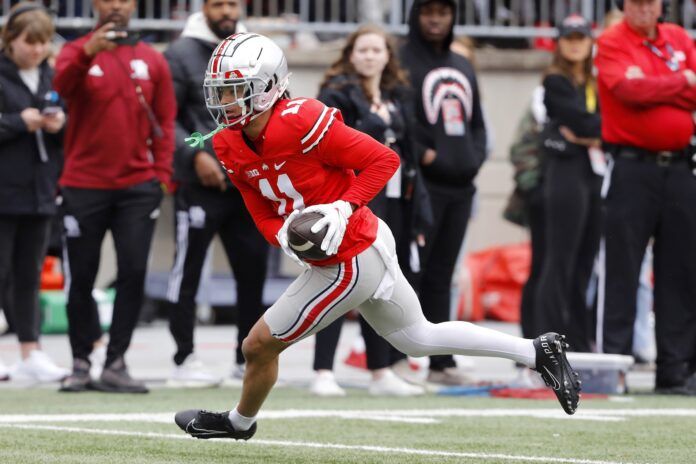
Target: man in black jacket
206,202
452,135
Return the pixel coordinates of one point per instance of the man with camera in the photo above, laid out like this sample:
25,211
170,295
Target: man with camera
118,155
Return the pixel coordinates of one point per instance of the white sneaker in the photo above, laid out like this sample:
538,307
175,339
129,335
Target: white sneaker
4,326
38,367
527,379
324,384
4,372
391,385
97,359
415,375
192,374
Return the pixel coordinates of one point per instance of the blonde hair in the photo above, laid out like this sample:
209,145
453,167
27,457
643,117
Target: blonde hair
35,21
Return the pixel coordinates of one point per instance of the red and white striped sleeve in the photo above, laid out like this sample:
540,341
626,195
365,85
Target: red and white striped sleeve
319,128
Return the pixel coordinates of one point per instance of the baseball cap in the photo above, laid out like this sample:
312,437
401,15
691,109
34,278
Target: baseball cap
574,24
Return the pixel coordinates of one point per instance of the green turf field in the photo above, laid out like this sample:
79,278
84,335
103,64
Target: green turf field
43,426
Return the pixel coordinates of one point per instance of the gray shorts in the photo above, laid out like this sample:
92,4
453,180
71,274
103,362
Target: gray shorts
320,295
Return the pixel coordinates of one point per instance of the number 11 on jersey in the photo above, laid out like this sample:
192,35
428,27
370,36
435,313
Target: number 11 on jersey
286,190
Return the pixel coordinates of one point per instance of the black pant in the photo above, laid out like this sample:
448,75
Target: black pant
23,242
647,200
201,213
439,258
130,215
573,227
379,353
537,232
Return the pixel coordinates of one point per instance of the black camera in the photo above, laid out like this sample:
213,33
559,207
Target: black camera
116,35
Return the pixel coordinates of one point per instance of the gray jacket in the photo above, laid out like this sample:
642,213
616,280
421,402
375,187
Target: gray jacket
188,58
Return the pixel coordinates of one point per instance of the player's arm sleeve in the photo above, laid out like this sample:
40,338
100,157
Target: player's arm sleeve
72,64
164,108
613,61
562,102
348,148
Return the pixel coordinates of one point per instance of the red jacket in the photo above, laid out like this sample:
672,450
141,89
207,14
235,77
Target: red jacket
651,112
307,156
110,142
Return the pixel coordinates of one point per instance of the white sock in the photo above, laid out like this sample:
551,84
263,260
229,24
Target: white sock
426,339
240,422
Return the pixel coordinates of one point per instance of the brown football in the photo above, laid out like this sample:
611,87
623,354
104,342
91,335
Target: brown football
305,243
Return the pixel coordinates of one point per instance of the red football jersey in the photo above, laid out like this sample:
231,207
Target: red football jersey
306,156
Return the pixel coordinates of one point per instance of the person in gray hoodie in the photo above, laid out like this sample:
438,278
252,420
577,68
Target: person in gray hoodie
451,142
206,202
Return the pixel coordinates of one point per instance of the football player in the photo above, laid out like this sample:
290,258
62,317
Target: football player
288,156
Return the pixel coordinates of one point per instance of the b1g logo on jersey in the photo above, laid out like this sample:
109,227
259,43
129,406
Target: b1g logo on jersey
251,173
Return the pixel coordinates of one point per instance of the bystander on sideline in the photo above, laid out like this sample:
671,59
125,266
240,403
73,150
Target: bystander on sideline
647,90
118,159
31,155
371,90
451,146
573,166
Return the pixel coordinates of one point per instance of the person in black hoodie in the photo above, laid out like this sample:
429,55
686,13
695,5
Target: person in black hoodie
571,188
30,161
451,146
370,88
206,202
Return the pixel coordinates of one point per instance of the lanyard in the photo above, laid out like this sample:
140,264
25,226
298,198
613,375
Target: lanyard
590,99
672,63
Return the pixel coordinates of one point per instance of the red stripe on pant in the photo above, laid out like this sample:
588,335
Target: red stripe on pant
323,303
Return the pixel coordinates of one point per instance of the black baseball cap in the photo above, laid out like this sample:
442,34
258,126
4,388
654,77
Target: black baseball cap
575,24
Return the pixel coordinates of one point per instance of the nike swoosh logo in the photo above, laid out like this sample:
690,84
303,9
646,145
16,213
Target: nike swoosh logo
556,383
279,165
190,428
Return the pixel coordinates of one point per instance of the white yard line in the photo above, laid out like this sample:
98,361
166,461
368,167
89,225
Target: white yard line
419,416
335,446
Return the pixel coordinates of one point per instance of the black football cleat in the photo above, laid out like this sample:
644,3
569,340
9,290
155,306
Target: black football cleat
206,424
553,365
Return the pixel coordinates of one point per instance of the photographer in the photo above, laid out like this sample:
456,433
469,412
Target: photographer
118,156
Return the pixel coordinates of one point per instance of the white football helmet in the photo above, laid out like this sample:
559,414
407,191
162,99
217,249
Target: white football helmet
247,73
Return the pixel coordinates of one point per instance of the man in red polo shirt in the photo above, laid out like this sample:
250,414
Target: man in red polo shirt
647,91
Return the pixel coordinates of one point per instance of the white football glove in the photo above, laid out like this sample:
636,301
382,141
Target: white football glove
282,237
335,219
